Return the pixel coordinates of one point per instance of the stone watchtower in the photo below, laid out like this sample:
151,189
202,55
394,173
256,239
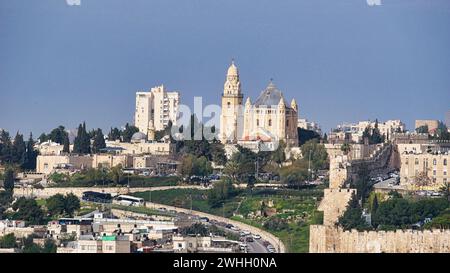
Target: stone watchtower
231,118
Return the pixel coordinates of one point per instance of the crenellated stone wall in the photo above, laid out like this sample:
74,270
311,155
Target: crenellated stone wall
330,239
334,204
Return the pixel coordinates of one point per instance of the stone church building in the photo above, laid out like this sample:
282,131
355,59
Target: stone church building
268,119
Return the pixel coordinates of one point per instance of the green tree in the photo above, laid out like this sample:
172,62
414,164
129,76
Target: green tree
6,149
49,246
445,190
195,229
18,149
279,156
220,192
8,241
129,131
306,135
8,182
422,129
352,217
66,144
296,174
114,134
56,205
29,162
99,141
43,138
58,134
346,148
318,153
116,174
71,204
82,142
28,210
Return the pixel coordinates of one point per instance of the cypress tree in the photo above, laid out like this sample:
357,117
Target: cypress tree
5,147
8,184
18,149
99,141
66,148
30,155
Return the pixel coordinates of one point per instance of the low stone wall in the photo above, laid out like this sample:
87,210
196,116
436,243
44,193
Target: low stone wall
47,192
329,239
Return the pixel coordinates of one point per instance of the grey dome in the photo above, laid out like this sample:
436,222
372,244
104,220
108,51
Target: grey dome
271,96
138,136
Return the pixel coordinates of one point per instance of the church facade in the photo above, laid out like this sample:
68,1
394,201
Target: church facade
268,120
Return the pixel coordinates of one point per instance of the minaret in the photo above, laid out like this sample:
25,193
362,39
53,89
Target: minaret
231,121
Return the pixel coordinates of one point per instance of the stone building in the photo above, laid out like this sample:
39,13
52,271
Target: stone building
269,119
155,108
231,115
430,123
387,128
427,171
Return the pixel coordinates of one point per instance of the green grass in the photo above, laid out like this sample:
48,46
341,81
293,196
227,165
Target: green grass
182,198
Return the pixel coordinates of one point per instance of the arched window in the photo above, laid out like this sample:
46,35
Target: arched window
228,104
445,162
417,161
270,122
434,161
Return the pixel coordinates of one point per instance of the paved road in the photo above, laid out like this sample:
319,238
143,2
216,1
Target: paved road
272,239
252,247
257,247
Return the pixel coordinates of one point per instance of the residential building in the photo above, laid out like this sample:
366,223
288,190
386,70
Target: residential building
430,123
387,128
203,244
48,164
424,171
309,125
155,108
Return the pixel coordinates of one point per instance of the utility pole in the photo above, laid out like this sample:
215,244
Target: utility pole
309,164
256,167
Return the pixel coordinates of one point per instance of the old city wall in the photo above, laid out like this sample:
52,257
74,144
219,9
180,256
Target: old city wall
342,169
330,239
47,192
334,204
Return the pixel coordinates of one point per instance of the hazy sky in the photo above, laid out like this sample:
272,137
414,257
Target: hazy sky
341,60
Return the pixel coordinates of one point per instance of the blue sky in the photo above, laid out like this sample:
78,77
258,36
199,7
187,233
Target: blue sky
341,60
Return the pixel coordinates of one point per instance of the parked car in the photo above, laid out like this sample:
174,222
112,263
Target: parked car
256,236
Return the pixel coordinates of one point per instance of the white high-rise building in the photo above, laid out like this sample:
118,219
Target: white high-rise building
155,108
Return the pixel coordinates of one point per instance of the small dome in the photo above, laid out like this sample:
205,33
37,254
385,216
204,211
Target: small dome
232,70
139,136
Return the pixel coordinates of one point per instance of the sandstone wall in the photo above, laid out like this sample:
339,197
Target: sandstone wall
329,239
334,204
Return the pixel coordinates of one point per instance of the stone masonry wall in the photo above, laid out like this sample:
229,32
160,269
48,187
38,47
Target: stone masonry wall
329,239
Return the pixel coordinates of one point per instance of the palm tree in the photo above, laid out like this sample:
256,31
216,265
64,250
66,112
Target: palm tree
445,190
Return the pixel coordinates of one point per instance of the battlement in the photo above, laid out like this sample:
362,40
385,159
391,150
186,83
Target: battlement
335,240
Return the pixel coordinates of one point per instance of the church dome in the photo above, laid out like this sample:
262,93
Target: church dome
271,96
233,70
138,137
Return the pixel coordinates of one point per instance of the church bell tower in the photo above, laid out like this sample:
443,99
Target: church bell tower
231,120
